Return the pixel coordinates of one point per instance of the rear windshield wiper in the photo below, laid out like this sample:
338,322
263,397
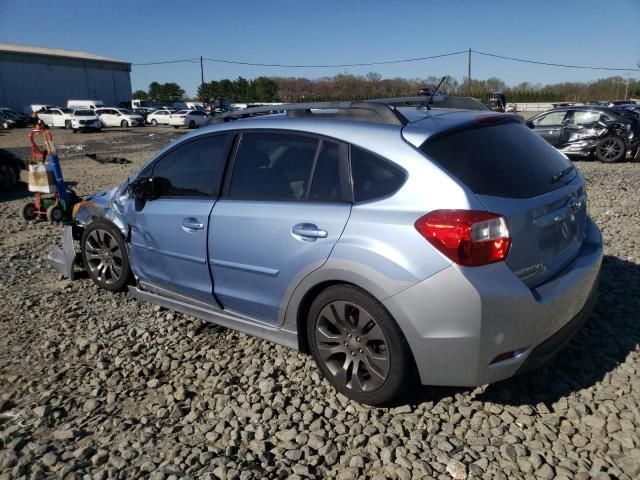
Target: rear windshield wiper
562,173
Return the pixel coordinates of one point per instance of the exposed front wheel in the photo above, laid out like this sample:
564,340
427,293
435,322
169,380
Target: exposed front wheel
610,150
29,211
67,124
154,122
104,255
358,346
124,123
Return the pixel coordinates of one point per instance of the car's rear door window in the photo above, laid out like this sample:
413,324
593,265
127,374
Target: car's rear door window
373,177
273,166
330,174
553,118
505,160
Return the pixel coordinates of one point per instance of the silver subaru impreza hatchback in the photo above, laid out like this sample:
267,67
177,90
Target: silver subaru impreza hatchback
395,242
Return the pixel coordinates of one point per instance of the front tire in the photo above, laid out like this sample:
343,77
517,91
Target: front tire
610,150
29,211
105,256
192,124
124,124
358,346
154,122
67,124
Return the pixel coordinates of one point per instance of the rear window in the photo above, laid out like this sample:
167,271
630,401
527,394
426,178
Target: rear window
506,160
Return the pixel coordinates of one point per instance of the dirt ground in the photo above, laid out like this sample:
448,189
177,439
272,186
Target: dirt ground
97,385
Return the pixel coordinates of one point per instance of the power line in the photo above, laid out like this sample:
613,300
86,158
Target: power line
236,62
337,65
386,62
185,60
584,67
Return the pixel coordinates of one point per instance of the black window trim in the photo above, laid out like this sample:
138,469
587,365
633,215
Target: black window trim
344,163
152,165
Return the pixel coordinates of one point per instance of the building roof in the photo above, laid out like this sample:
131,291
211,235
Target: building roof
54,52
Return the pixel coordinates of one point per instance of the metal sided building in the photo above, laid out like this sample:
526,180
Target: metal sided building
37,75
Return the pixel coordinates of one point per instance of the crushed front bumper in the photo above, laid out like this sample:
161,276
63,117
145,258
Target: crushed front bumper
64,259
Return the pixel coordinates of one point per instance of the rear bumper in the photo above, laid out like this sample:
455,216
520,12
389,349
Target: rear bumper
458,321
552,345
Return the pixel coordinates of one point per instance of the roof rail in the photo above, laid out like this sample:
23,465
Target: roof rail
377,110
439,101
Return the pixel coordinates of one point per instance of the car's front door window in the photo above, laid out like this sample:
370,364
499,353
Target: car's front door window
193,169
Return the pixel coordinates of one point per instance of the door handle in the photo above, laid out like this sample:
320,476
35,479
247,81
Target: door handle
191,225
308,231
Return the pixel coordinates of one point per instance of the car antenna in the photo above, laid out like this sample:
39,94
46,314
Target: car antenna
428,105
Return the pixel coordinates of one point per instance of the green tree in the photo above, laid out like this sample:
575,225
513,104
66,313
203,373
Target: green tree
266,89
140,95
165,92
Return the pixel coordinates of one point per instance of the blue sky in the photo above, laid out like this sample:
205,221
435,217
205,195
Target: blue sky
584,32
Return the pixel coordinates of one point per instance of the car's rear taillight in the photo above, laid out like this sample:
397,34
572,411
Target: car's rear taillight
468,237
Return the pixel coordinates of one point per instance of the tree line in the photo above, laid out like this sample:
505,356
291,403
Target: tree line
372,85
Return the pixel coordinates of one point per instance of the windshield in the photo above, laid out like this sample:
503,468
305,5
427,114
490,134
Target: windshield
84,113
124,111
66,110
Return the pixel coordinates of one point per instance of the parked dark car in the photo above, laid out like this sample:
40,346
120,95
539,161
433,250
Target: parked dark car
10,167
603,132
20,119
6,122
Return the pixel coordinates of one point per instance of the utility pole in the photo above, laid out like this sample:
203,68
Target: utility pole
202,82
469,76
626,87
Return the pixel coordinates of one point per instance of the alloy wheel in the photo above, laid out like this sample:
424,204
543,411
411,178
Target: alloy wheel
352,346
610,149
103,256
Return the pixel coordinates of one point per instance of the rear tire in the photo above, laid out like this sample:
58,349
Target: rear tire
611,150
104,256
358,346
55,214
192,124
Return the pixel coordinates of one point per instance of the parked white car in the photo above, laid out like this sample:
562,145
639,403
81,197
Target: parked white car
56,117
119,117
85,119
187,118
82,104
159,117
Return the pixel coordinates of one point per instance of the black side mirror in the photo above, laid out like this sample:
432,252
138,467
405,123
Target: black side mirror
529,124
143,189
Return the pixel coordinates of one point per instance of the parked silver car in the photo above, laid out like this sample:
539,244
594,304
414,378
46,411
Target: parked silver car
394,243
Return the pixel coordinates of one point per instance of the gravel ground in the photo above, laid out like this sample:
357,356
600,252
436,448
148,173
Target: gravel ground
98,385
